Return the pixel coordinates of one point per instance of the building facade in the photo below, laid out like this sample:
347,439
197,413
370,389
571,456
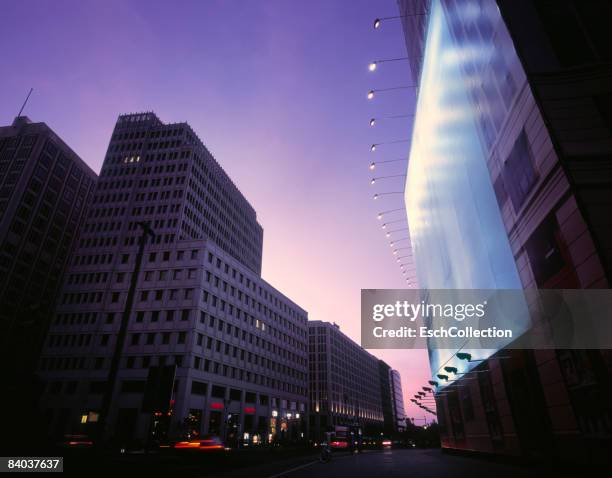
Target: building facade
235,348
513,118
345,385
45,189
386,396
397,399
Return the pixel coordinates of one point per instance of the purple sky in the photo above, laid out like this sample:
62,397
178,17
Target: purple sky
275,89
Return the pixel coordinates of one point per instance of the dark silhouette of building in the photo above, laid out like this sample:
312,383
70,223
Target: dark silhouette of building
386,397
45,190
397,399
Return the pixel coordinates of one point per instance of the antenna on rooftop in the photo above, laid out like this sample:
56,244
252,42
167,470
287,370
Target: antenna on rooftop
24,103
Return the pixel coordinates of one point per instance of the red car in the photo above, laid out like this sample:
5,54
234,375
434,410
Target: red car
76,441
339,443
204,444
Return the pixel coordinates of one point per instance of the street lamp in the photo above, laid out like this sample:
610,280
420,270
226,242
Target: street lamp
377,195
373,120
380,215
396,230
111,381
468,357
372,93
375,145
373,181
395,251
378,21
374,64
395,241
374,163
384,226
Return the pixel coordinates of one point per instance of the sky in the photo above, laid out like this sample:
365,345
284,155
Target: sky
277,92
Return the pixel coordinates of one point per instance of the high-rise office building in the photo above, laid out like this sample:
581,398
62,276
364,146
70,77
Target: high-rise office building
397,399
510,167
232,348
45,189
345,385
386,396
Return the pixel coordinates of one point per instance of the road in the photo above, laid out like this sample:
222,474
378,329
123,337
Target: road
405,464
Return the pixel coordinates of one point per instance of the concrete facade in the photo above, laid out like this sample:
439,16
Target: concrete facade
397,398
237,345
344,382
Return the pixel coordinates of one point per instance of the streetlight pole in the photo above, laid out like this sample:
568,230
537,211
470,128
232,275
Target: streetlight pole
125,320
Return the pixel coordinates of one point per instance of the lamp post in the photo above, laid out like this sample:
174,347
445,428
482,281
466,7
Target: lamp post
384,226
378,195
373,180
395,251
373,121
372,92
378,21
388,234
125,319
373,164
380,215
402,257
468,357
374,64
376,145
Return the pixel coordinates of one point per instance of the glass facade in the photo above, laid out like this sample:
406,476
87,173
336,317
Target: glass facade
470,78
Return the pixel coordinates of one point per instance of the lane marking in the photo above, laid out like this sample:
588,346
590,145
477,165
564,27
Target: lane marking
291,470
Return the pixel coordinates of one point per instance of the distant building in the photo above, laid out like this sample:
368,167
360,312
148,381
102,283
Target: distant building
345,383
234,347
509,187
397,399
45,189
386,396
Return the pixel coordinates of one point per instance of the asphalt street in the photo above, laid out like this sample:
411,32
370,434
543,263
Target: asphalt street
415,463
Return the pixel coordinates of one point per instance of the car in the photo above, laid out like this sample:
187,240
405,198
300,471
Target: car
209,443
338,443
76,441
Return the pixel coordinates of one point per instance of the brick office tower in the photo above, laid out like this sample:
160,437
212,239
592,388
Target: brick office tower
236,347
45,189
